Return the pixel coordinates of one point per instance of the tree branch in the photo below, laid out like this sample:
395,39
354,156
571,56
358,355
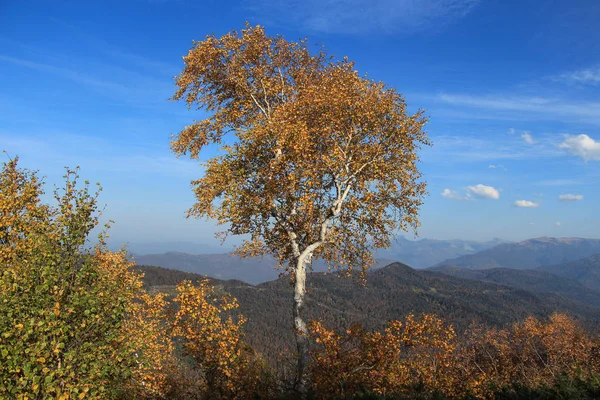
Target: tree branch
288,228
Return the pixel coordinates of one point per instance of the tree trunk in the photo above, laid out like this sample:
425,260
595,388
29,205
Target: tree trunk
300,328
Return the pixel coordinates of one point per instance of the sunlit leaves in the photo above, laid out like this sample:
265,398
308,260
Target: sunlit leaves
318,155
408,354
66,306
227,366
423,356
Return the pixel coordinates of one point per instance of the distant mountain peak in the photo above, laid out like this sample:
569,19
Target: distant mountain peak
549,239
395,268
529,254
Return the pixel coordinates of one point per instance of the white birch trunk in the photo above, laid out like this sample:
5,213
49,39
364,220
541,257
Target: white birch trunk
300,329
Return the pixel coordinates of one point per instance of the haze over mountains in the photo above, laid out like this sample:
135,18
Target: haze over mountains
218,263
547,254
528,254
537,281
570,266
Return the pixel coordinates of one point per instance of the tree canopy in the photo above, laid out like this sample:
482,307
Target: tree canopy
314,156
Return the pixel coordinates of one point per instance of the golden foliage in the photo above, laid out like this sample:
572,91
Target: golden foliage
424,356
68,314
76,323
214,340
316,155
531,353
416,352
148,330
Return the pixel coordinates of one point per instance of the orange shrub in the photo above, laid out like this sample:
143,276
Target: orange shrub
409,354
228,367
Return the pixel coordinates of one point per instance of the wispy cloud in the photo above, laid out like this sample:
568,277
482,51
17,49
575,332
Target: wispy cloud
560,182
66,73
526,204
570,197
362,16
526,136
54,150
473,192
587,76
119,84
463,148
582,146
528,107
452,195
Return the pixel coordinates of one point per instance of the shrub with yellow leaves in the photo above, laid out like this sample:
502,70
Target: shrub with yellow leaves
213,338
532,354
148,327
423,357
415,353
65,308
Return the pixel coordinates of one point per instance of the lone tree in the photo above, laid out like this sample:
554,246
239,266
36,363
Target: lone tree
316,161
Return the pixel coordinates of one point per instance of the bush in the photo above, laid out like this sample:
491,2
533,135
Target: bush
65,307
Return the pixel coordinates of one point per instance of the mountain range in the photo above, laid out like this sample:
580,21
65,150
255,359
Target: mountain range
537,281
218,264
528,254
495,286
390,293
226,266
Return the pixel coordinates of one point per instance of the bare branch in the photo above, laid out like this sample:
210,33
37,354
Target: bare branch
266,99
259,106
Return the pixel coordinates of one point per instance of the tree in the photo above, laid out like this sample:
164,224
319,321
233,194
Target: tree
316,160
66,324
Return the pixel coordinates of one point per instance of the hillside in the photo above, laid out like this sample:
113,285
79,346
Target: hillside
586,271
537,281
528,254
219,266
391,292
225,266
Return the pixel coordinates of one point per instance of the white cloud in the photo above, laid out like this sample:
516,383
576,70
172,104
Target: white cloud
361,16
526,204
452,195
588,76
483,191
582,146
497,166
526,136
528,108
570,197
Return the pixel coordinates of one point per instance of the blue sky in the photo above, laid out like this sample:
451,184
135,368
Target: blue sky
512,89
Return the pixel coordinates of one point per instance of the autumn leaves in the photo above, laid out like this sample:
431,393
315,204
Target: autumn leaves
423,356
320,162
75,321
